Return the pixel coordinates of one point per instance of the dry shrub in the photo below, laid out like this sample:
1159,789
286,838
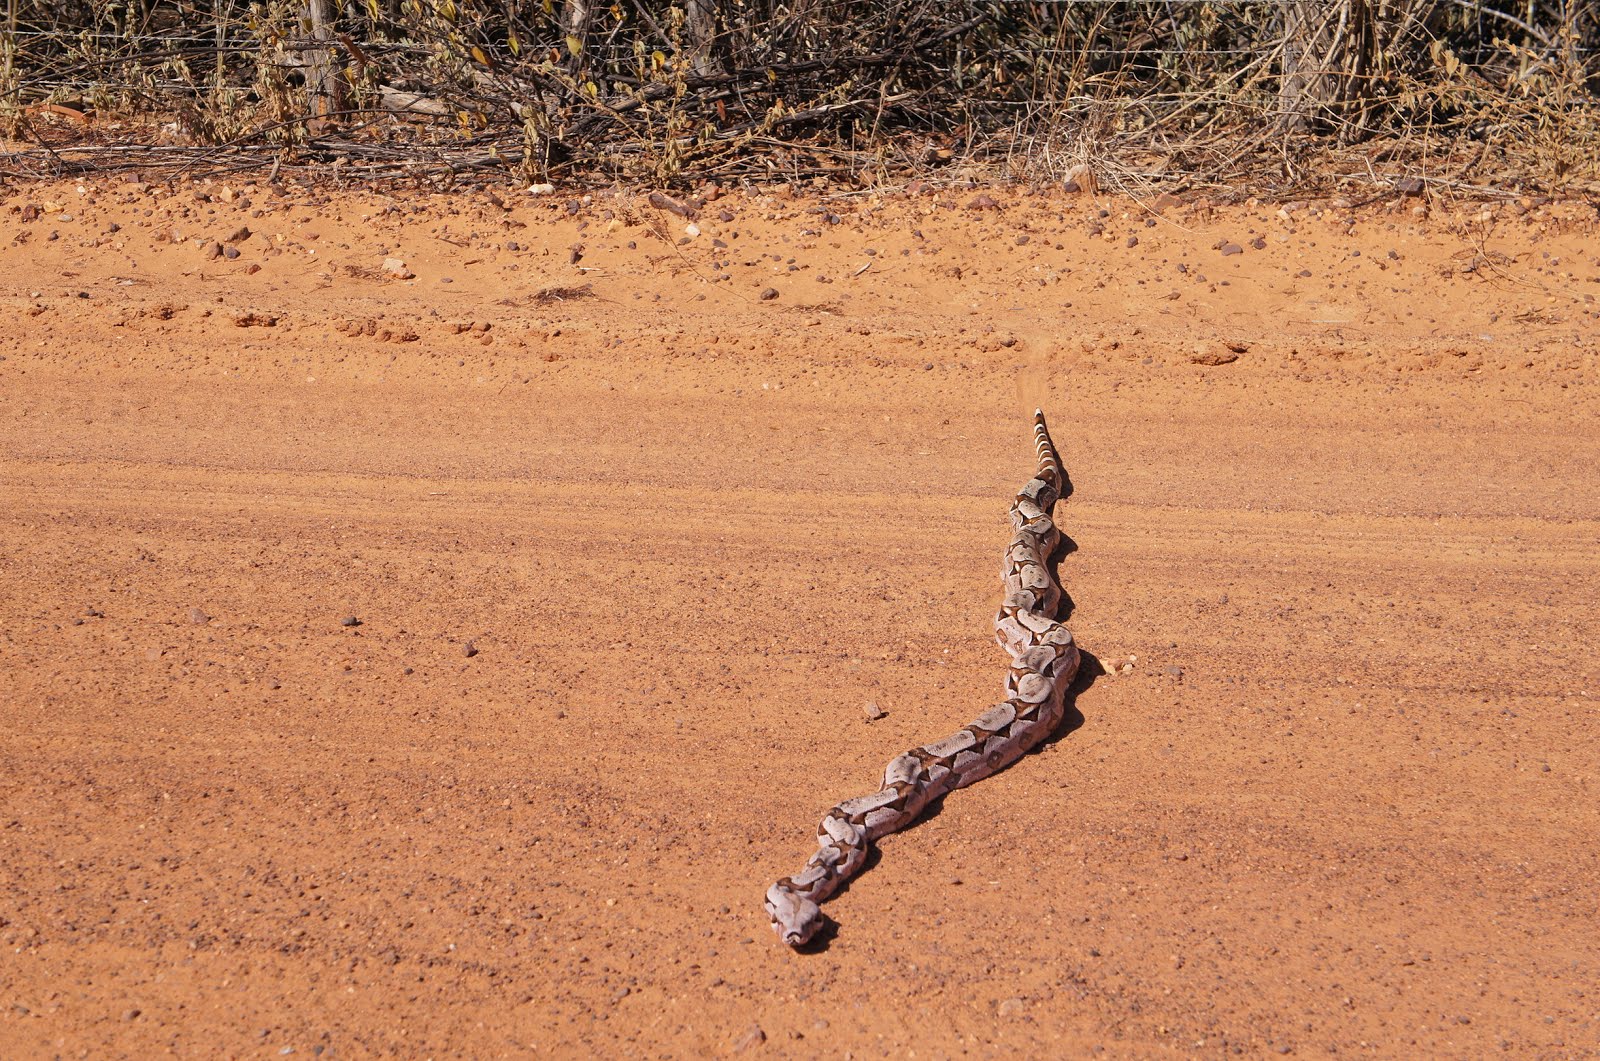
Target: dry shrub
1132,94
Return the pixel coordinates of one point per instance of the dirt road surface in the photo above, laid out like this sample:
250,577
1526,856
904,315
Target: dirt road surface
431,621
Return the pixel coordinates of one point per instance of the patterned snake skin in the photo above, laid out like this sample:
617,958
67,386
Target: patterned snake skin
1043,663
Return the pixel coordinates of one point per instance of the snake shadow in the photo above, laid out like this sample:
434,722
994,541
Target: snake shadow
1089,671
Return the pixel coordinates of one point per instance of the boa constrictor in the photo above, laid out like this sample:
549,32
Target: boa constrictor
1043,663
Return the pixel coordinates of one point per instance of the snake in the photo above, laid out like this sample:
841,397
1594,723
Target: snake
1044,660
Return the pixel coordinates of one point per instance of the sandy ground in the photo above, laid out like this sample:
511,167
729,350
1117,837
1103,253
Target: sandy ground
628,569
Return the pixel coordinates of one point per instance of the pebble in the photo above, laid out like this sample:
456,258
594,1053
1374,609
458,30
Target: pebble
1011,1007
1230,248
768,294
469,649
1081,178
197,616
873,712
983,201
753,1037
213,251
1172,672
669,204
1410,186
350,620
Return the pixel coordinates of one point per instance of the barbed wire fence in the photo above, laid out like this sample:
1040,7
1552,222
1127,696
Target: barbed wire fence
1117,93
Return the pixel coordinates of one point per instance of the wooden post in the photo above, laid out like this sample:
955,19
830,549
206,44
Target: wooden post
577,16
324,78
700,24
1328,48
1305,88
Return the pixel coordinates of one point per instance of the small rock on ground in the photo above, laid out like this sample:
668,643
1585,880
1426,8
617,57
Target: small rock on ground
669,204
753,1037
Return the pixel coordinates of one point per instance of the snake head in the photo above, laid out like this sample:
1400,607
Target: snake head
794,917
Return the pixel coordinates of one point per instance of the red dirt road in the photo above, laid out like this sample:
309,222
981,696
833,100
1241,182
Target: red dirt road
628,569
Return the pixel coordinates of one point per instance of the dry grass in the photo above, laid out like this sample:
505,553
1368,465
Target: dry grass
1306,96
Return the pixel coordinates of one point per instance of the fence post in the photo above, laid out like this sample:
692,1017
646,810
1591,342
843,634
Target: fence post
700,22
577,16
10,78
324,79
1307,86
1327,56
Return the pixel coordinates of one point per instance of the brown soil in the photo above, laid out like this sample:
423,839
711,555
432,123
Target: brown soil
1336,515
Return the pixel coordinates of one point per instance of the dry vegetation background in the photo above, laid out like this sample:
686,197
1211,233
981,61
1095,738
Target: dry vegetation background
1129,95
